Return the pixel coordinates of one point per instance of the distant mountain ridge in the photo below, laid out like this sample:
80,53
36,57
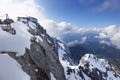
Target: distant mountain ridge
89,68
98,46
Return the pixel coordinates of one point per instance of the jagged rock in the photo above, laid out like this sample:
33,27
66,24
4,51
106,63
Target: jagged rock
8,21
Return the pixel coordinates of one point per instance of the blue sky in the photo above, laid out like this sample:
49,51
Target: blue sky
85,13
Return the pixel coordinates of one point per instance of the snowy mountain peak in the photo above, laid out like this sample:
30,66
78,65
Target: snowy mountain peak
93,62
97,68
87,56
89,68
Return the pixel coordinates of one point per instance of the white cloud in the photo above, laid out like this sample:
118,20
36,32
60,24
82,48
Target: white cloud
51,27
109,4
83,39
69,31
75,42
57,29
113,32
17,8
105,42
72,43
64,26
102,6
102,35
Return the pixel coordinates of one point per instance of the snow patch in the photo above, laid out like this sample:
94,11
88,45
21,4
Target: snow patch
10,69
52,76
15,43
38,38
32,25
42,35
85,76
61,45
49,41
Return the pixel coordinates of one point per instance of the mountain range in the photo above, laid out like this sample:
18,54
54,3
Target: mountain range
27,52
101,47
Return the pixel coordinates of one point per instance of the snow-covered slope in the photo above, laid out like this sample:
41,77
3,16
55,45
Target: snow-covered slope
21,40
99,69
89,68
10,69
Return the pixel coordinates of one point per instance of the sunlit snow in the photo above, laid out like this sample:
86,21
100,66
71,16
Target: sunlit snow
10,69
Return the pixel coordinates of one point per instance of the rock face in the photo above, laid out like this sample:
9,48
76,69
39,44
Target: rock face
38,62
42,58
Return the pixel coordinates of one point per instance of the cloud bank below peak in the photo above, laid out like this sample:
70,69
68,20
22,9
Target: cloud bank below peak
70,33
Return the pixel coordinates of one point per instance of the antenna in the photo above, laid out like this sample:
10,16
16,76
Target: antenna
7,16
